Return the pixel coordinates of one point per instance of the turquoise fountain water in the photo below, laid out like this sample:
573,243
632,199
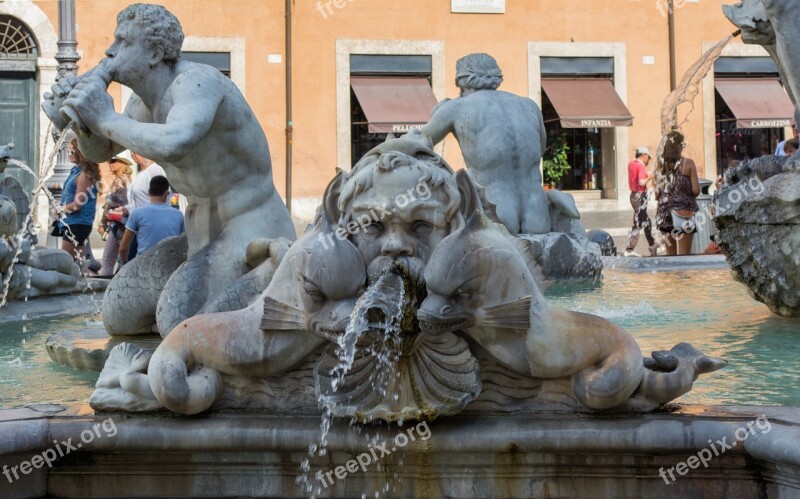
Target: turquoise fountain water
715,314
703,307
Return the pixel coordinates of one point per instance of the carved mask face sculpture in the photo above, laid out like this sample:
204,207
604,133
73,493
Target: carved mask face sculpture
404,217
477,277
332,278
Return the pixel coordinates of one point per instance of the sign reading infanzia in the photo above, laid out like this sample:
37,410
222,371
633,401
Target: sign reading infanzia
596,123
478,6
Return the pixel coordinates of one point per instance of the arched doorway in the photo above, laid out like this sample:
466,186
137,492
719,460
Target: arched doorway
18,98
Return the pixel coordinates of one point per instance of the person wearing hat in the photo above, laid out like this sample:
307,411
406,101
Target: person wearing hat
638,176
111,225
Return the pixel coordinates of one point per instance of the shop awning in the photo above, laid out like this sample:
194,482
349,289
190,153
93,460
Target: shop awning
587,102
394,104
756,102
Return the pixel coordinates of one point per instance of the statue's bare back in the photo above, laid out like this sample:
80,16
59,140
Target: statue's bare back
502,137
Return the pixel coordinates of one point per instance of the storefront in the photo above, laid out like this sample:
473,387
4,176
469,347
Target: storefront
752,109
390,94
581,109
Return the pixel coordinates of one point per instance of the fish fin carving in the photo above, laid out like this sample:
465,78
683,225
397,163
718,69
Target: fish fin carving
279,316
511,315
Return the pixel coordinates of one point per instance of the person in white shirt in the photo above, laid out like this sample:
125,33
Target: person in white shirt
138,193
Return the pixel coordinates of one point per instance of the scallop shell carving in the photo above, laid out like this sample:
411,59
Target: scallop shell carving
438,378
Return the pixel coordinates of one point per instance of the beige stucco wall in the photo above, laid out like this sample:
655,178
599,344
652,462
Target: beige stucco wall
258,25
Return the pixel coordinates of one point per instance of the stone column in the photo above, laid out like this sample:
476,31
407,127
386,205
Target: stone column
67,57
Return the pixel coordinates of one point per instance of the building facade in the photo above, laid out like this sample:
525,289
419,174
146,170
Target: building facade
365,68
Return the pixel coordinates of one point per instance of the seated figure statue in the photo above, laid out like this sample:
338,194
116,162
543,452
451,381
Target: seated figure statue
502,138
195,123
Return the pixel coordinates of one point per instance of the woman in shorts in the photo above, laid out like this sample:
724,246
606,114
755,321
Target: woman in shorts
677,188
78,202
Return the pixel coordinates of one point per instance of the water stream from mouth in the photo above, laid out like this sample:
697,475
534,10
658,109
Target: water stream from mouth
45,173
684,93
377,312
687,90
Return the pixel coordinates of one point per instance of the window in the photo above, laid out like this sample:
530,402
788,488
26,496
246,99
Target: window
16,40
383,82
219,60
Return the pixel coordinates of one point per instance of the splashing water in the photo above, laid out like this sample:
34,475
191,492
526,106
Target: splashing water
687,90
22,166
378,311
46,171
684,93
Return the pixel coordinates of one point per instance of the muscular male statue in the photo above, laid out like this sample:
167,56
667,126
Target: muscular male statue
502,138
196,124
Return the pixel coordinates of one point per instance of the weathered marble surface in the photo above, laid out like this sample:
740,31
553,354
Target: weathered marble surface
565,257
308,300
82,302
469,291
401,303
211,146
604,240
11,189
758,224
132,296
89,348
661,263
502,138
522,455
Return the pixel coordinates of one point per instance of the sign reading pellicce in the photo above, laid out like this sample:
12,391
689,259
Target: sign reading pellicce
478,6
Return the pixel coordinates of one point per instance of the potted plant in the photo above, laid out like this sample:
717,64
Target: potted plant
555,164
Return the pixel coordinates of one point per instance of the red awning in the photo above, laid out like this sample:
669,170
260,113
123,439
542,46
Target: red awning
587,102
756,102
394,104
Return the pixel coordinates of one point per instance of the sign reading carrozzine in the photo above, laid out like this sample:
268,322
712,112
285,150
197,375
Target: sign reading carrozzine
478,6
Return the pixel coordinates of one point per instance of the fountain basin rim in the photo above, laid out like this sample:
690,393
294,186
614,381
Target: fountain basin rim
77,303
520,455
663,263
480,433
